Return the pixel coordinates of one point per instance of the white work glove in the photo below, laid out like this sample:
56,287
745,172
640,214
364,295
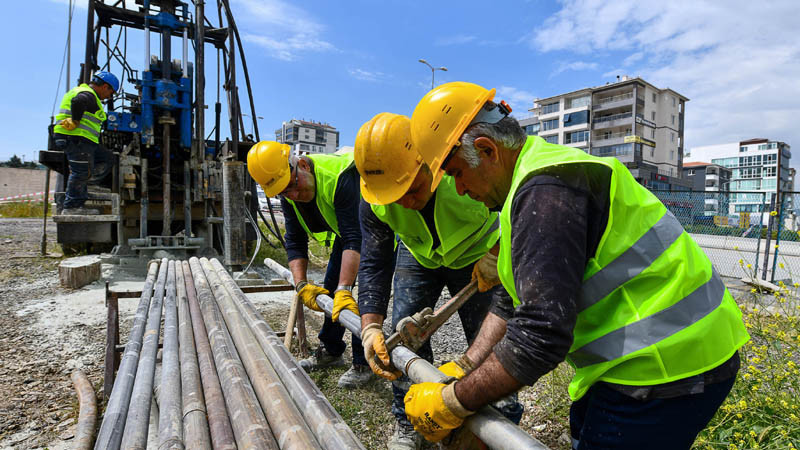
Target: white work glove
485,271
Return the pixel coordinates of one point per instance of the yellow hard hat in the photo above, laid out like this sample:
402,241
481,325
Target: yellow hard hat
268,164
385,158
441,117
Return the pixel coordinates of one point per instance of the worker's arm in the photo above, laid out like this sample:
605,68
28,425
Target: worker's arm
82,102
548,258
377,266
296,240
345,203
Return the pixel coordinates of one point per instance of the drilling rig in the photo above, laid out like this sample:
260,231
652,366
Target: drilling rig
174,190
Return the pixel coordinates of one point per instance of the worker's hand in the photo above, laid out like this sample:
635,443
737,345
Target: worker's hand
69,124
343,299
485,271
434,410
375,347
308,294
458,368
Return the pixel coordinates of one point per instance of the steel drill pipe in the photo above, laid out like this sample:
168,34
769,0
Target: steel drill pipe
219,425
136,427
195,425
170,419
285,420
116,413
490,426
328,427
250,427
87,415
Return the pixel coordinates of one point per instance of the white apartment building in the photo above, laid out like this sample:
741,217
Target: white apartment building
308,137
632,120
756,169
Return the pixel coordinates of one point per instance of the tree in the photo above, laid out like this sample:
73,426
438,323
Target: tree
14,161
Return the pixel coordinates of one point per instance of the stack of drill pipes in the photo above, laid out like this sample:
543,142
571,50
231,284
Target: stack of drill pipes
195,425
136,427
110,434
170,419
487,424
328,427
219,425
284,418
250,427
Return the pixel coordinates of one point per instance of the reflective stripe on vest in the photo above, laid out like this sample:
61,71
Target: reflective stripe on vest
653,329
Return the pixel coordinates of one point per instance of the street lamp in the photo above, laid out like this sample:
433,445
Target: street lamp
252,126
433,70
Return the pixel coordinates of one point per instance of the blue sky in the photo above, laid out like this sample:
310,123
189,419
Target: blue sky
343,62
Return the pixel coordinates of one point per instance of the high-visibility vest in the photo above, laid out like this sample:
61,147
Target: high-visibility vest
652,308
327,170
90,124
466,228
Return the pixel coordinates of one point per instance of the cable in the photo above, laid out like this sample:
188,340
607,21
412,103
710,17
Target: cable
63,61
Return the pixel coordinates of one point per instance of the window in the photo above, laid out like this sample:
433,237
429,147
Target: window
655,98
690,172
549,108
578,136
771,158
577,102
652,152
673,119
303,147
653,116
576,118
674,102
551,139
742,149
671,155
613,150
551,124
750,172
672,137
652,133
532,130
770,171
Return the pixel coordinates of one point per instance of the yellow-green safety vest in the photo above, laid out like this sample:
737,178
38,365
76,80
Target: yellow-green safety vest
327,170
465,227
652,308
90,124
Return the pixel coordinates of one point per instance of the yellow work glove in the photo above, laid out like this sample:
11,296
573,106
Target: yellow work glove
343,299
485,271
375,346
308,294
69,124
458,368
434,410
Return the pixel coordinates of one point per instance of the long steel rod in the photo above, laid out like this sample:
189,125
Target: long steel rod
249,425
195,425
145,201
219,425
491,427
136,427
170,419
116,413
329,428
285,420
87,415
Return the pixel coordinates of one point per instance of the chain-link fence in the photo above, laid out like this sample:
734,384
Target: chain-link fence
743,233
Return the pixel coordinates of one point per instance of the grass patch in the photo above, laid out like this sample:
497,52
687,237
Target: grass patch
318,253
24,209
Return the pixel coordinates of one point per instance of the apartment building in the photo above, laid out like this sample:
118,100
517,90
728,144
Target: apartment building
308,137
630,119
708,177
759,168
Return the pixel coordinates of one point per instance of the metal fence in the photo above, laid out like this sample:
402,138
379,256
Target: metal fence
743,233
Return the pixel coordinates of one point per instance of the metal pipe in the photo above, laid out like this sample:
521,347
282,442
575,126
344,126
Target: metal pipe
166,182
219,424
284,419
195,425
501,434
44,211
329,428
88,64
87,415
170,419
200,79
136,427
250,426
187,200
185,62
116,413
146,7
145,202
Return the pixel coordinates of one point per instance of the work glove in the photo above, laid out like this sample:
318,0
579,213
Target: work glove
434,410
375,347
69,124
458,368
343,299
485,271
308,294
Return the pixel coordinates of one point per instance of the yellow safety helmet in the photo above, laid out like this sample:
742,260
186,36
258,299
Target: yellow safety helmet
385,158
268,164
441,117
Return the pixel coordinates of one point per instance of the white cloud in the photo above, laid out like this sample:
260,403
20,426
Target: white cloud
285,30
366,75
519,100
574,66
738,61
458,39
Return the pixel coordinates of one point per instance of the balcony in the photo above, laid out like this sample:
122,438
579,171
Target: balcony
601,104
614,120
603,139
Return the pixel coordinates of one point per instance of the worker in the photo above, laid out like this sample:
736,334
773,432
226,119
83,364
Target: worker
319,197
77,133
444,241
599,273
